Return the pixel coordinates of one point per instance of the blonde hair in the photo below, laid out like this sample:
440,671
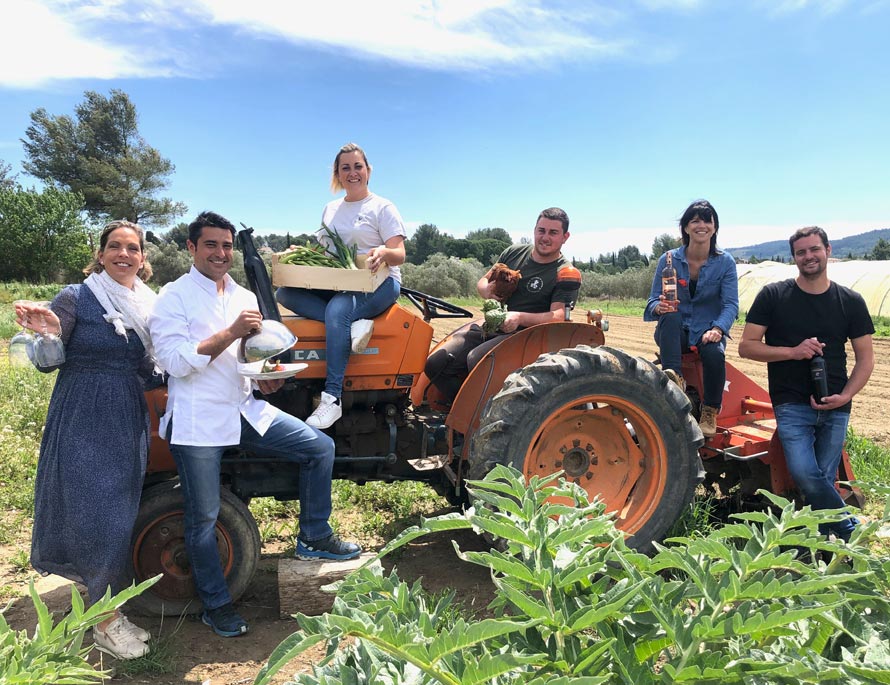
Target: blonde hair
95,267
336,186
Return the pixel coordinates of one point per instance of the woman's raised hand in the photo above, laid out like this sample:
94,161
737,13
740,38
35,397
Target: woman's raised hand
37,316
376,257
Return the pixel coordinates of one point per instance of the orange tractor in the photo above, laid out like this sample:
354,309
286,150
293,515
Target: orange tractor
548,398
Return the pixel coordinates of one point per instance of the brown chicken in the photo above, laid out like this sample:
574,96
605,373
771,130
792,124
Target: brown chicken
504,279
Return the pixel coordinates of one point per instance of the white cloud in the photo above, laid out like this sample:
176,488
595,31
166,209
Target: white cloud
670,4
459,34
39,41
824,7
50,40
46,40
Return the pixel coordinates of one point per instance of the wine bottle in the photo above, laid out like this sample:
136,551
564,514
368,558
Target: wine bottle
669,282
819,377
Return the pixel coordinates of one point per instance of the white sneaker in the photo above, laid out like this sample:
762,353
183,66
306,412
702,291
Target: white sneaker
326,413
360,332
118,641
140,633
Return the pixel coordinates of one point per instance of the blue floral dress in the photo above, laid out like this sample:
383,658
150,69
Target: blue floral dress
94,450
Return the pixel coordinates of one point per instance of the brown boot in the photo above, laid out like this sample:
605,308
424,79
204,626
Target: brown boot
676,378
708,420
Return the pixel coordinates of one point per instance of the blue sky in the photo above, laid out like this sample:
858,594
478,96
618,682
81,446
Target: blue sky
478,113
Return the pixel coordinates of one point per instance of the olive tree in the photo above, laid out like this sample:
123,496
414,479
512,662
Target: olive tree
100,154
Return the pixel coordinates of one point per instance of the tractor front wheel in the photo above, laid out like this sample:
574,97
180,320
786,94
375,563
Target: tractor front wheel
613,423
158,547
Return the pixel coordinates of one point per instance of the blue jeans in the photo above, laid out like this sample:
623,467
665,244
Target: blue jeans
813,440
338,310
673,340
287,438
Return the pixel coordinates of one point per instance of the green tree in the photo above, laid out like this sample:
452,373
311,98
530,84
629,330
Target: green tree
168,262
458,247
42,236
278,243
100,154
7,178
178,235
631,253
663,243
487,243
487,250
426,241
491,234
881,250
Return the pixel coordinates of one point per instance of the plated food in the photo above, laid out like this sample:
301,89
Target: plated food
267,370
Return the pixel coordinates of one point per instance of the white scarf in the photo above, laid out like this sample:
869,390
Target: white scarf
124,308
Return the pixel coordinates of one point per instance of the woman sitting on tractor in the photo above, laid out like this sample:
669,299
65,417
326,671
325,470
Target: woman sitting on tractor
374,225
706,305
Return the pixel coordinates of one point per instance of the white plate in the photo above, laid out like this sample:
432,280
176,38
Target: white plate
253,371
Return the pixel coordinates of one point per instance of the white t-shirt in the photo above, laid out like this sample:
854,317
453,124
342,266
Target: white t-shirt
206,399
366,223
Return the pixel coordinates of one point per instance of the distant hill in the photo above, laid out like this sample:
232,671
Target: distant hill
857,245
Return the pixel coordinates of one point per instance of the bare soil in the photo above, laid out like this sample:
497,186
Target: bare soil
206,658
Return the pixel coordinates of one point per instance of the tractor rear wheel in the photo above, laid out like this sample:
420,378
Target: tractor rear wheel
613,423
158,547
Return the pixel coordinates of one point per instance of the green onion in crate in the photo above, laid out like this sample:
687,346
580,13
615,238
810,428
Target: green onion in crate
344,253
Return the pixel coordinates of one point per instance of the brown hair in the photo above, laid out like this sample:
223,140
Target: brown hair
94,267
555,214
805,233
336,186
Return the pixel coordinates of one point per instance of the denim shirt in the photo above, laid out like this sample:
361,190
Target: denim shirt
716,301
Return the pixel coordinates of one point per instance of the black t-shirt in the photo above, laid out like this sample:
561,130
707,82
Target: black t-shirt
535,291
791,316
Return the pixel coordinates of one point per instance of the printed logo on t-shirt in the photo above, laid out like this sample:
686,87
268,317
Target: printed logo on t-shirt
534,284
360,219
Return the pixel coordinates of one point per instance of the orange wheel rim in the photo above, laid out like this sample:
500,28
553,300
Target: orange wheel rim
610,448
160,549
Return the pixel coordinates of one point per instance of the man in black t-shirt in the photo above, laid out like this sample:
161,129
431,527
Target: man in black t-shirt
789,324
535,300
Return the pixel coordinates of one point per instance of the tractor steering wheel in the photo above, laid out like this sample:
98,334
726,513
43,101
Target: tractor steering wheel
430,306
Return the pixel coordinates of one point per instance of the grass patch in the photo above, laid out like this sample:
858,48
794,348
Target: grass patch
381,510
24,396
870,461
618,306
10,292
882,326
162,658
276,520
20,561
704,514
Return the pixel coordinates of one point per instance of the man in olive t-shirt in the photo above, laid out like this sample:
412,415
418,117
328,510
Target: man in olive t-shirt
788,324
535,300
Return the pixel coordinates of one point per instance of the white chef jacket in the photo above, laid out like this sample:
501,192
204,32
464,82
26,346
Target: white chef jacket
205,398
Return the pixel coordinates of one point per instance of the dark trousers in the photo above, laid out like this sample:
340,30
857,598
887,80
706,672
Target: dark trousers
673,340
448,366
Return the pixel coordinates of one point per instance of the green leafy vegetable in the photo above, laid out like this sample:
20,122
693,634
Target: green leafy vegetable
495,313
309,255
342,252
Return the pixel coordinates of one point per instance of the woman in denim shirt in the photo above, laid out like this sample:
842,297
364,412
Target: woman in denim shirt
708,292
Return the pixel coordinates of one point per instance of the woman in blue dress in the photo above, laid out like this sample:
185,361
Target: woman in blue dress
95,443
708,294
